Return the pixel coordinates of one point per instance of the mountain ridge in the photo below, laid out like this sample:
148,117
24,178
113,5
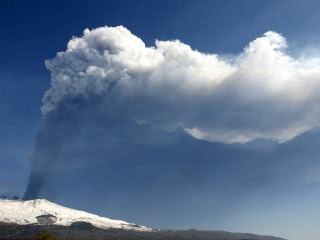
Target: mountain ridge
44,212
25,219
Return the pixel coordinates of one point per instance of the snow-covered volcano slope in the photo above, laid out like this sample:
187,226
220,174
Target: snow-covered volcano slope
41,211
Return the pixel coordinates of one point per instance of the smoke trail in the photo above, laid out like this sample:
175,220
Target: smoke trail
50,140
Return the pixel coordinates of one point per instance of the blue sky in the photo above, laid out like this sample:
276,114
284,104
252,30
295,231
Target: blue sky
274,200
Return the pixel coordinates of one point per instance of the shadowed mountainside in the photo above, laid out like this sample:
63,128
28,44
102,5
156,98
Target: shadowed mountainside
84,231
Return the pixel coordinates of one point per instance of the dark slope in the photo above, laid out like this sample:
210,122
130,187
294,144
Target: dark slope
83,231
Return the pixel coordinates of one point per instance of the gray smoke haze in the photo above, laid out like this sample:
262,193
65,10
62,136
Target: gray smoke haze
149,132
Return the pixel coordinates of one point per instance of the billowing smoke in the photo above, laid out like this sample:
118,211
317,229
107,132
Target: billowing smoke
131,128
260,93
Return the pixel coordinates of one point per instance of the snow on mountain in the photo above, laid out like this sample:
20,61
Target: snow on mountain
41,211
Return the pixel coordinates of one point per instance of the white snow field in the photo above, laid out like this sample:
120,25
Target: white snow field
26,212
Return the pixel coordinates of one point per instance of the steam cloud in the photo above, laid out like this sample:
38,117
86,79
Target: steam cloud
260,93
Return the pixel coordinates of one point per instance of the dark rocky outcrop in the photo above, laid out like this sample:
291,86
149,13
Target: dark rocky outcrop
82,226
46,219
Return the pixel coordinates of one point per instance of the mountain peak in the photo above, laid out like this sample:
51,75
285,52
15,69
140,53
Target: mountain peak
44,212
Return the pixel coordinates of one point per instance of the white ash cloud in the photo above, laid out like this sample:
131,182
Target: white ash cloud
262,92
